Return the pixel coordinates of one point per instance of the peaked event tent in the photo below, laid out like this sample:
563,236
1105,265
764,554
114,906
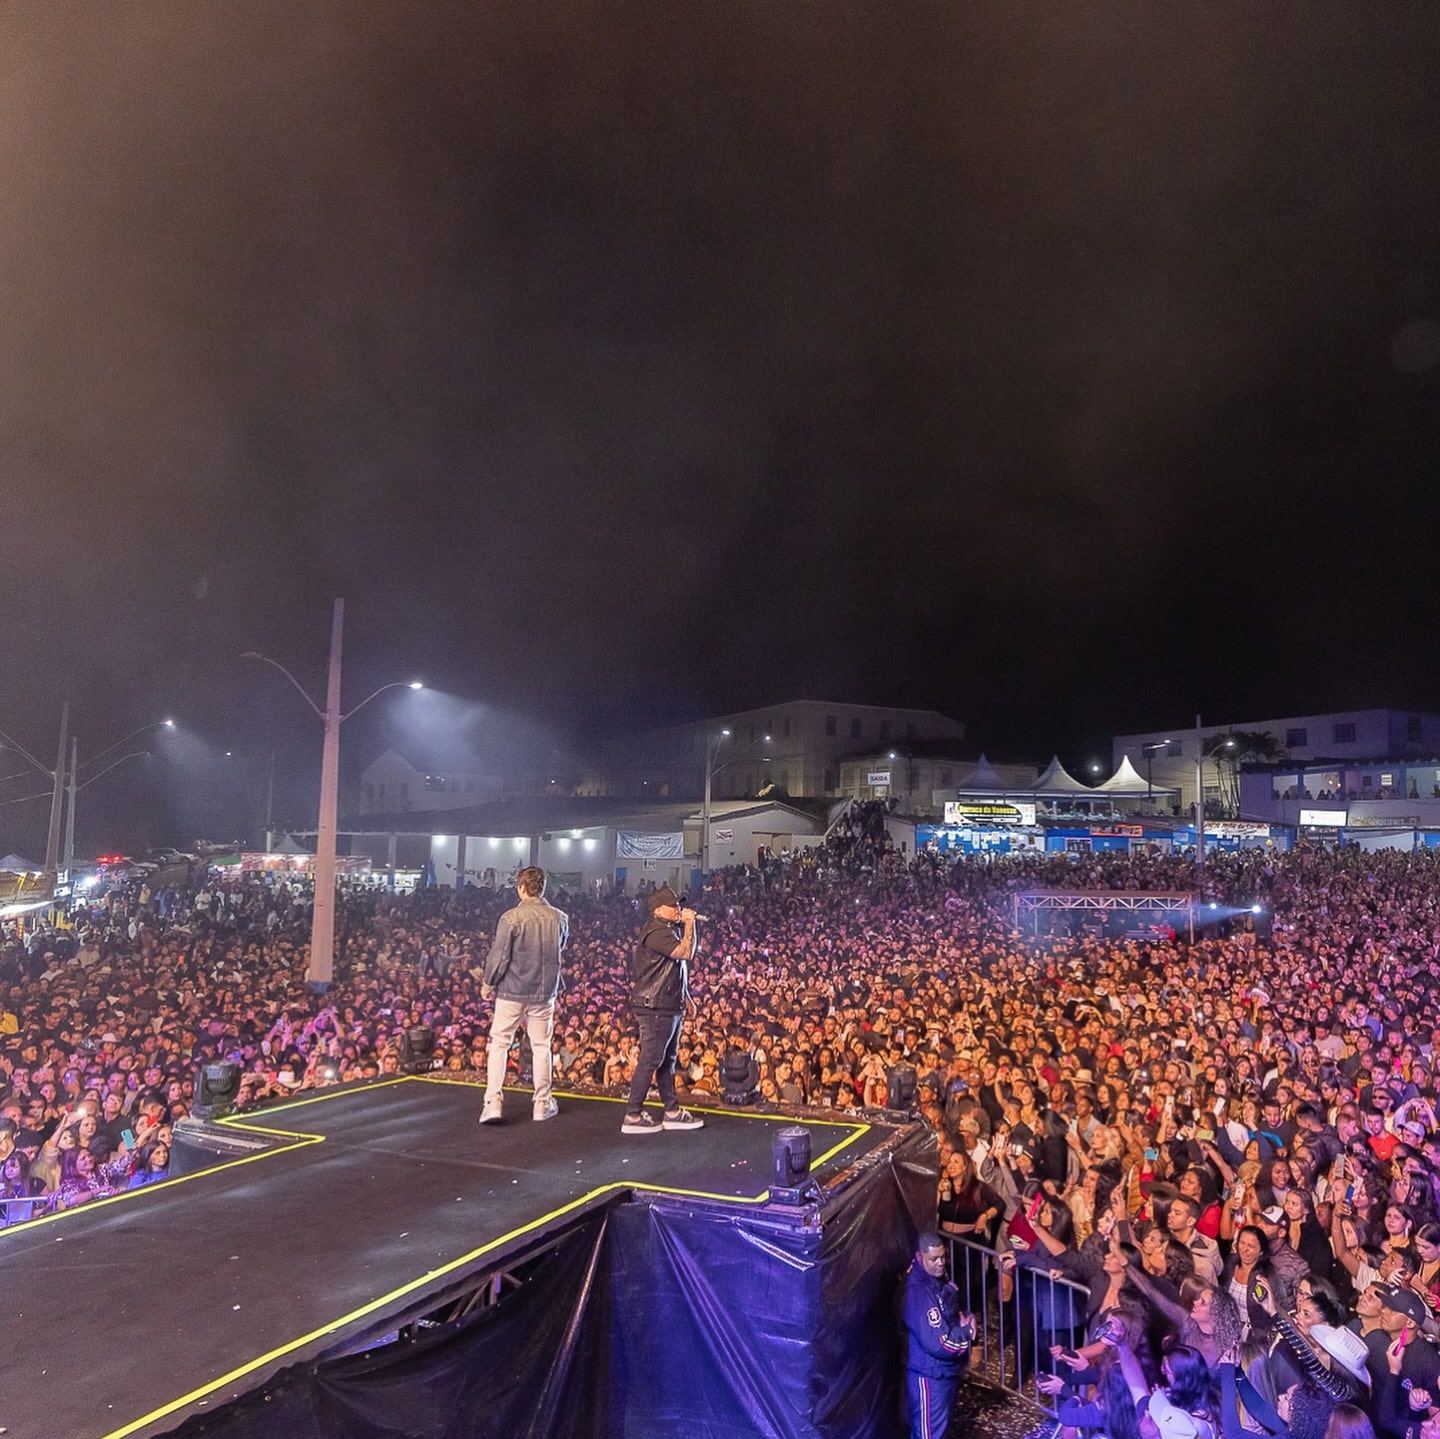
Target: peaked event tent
1127,780
983,777
1058,780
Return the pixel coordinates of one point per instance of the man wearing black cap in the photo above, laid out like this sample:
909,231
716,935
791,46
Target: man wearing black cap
659,988
1410,1362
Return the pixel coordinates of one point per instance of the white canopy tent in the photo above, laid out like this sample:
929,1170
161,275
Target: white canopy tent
1128,782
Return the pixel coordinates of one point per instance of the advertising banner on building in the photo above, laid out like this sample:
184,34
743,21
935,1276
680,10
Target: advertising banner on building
877,776
630,844
987,812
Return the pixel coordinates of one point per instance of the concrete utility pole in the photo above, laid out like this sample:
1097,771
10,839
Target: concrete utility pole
710,752
57,794
1199,801
70,807
322,926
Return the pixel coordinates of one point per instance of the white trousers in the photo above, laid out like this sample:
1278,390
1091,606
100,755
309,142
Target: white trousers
539,1020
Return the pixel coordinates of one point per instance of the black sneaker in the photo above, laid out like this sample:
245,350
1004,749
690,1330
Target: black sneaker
682,1119
641,1123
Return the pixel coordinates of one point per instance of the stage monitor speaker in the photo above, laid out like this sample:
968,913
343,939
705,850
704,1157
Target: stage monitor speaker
217,1086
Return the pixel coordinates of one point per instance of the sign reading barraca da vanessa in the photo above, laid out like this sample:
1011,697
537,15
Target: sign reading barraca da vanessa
983,812
630,844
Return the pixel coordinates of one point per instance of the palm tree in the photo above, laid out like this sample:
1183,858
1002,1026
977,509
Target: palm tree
1229,750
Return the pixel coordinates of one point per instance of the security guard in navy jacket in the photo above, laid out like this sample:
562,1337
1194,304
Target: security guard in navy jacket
937,1340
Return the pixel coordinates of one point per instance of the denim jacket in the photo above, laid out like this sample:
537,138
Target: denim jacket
524,961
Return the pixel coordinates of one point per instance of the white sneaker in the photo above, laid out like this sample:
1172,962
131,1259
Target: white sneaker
491,1114
548,1110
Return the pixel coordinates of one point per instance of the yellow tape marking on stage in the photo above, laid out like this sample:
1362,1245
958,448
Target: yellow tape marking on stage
857,1129
233,1121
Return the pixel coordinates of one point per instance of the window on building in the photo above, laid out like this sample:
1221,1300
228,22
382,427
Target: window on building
785,780
1414,730
1345,733
884,731
830,781
857,726
436,782
1367,781
830,726
1387,780
1297,738
1174,749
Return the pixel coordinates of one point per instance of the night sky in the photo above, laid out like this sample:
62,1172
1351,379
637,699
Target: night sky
1067,369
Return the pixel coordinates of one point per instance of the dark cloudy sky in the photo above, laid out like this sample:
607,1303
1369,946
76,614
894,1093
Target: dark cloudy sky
1066,368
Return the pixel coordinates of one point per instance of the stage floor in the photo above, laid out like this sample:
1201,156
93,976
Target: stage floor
125,1316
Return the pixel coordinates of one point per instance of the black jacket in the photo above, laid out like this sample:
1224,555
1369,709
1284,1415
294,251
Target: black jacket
658,983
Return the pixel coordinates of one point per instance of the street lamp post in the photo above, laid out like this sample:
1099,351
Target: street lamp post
1151,750
76,784
1199,804
711,750
322,922
57,793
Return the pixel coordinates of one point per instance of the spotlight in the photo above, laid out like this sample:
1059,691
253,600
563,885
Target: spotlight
417,1049
217,1086
739,1076
901,1088
790,1164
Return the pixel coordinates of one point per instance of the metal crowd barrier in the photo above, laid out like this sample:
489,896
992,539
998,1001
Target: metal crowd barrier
1013,1336
17,1211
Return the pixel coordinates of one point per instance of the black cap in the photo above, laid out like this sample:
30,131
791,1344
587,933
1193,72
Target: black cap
1404,1301
663,895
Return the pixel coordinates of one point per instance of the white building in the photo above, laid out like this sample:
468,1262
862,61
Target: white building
795,747
921,778
582,843
1345,738
393,784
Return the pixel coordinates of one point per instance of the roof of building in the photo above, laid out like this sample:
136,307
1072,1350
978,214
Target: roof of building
539,813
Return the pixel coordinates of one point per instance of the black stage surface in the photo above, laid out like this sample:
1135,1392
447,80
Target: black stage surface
125,1316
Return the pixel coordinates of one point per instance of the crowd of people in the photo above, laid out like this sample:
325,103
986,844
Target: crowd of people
1260,1102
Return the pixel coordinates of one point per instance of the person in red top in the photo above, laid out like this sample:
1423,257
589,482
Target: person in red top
1199,1184
1382,1143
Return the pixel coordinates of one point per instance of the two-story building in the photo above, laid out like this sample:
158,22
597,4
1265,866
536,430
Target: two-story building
791,749
1327,742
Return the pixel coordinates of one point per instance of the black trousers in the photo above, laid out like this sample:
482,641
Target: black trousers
659,1043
